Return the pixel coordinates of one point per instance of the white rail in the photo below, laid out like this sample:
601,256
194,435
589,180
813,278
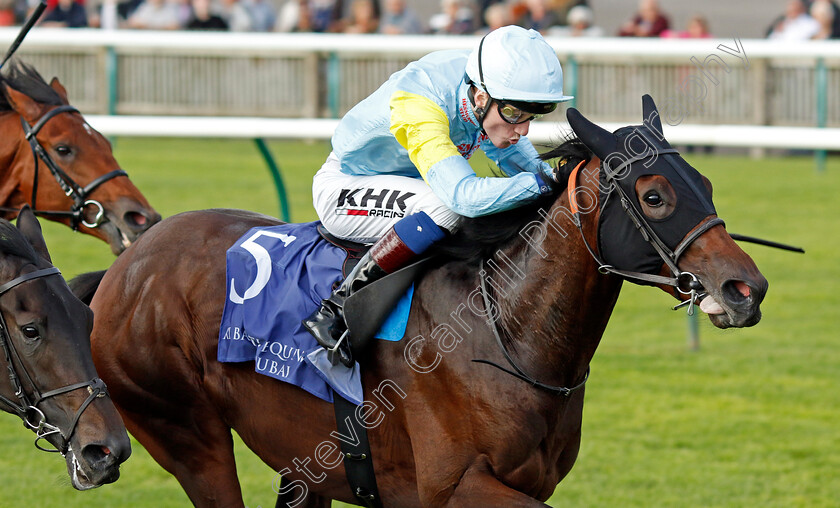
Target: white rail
213,43
805,138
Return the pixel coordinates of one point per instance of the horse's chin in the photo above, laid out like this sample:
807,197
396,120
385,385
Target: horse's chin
117,239
78,477
725,317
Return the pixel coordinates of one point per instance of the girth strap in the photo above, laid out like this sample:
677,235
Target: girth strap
358,463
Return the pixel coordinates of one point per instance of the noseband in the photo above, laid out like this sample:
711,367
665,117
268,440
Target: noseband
686,283
27,408
71,189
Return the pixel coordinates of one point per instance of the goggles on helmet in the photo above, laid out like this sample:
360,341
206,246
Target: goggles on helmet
516,112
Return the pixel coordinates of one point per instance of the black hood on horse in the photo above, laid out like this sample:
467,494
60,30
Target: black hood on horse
628,154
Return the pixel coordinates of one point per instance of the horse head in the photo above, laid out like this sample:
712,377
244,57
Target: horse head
48,140
657,223
50,380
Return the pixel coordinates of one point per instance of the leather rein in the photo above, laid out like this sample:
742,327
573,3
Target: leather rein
27,406
71,189
686,283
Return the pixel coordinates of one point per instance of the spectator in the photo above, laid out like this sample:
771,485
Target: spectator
563,7
362,19
292,17
310,16
825,12
7,12
203,19
538,16
648,22
496,16
262,14
398,18
126,8
185,12
236,16
795,25
155,15
483,5
579,23
456,19
66,13
697,28
325,15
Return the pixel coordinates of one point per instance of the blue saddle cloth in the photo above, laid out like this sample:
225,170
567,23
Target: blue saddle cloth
276,277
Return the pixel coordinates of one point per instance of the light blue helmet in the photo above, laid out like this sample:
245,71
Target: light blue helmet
511,63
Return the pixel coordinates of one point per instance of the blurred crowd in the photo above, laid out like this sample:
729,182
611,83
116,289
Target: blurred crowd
802,19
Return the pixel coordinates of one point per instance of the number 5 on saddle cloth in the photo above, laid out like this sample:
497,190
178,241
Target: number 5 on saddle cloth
277,276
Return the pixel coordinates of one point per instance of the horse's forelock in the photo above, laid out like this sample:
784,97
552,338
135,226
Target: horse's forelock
13,243
25,79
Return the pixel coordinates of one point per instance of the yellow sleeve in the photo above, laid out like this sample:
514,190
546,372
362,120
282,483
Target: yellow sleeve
422,128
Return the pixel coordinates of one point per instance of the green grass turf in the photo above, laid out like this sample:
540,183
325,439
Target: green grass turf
751,419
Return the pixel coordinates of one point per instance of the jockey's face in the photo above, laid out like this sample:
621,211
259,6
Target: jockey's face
501,133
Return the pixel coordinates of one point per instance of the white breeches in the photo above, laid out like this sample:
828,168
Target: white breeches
363,208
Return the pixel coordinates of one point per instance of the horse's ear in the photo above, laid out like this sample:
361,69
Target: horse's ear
601,141
650,115
60,90
31,230
24,105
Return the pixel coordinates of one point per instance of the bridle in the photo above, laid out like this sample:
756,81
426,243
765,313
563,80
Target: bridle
686,283
27,406
71,189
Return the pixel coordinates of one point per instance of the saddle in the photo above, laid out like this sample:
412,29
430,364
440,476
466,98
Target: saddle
366,309
364,313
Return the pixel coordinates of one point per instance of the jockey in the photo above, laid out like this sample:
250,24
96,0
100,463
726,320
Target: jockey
398,176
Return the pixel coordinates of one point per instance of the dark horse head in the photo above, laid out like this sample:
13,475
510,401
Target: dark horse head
51,159
646,215
657,219
49,380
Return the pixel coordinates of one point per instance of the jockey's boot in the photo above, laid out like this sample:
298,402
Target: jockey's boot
406,240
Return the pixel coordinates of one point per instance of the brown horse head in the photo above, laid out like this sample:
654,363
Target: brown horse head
657,223
92,194
49,379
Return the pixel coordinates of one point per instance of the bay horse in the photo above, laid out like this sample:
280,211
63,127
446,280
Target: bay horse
515,299
44,140
49,380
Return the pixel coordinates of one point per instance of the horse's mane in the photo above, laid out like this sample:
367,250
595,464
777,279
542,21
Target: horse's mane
13,243
25,79
478,238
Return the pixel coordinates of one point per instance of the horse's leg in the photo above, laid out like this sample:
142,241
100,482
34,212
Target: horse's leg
288,500
197,450
479,488
165,405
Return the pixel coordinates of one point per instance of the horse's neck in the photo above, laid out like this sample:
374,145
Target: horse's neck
556,308
11,150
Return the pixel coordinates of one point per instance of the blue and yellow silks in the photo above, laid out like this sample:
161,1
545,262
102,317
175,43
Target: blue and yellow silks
420,124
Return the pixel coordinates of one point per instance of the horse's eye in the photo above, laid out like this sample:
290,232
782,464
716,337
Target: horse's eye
30,332
63,150
653,199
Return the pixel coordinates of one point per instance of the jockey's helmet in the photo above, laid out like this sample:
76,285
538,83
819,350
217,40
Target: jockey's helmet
516,65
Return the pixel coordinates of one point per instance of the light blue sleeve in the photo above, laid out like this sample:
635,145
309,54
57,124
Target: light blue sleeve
518,158
456,184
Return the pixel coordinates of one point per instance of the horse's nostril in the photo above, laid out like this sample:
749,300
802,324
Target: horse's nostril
96,454
136,220
742,287
736,292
